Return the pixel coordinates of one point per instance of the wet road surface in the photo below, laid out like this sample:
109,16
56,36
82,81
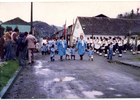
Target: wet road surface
76,79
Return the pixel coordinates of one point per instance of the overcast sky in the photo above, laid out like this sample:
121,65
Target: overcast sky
55,13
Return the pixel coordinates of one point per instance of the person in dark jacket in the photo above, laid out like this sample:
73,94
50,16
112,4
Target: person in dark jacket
2,48
21,46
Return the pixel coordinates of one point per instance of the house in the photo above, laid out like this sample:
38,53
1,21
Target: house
21,24
103,26
69,35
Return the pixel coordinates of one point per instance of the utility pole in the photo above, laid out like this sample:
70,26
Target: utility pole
92,27
31,15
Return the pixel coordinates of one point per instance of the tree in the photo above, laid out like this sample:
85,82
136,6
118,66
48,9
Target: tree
8,28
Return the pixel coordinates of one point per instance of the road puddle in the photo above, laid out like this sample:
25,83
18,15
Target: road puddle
110,88
118,95
64,79
39,65
92,94
39,69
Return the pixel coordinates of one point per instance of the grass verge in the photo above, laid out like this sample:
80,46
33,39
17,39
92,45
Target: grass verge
7,70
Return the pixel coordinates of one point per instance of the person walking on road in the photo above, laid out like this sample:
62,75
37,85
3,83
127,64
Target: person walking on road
81,47
31,40
61,46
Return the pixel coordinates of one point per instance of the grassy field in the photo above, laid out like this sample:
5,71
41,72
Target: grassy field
7,70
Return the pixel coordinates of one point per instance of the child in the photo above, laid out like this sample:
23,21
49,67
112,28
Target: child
110,51
73,50
44,49
68,51
90,53
52,53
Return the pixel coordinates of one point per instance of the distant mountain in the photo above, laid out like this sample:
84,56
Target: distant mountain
45,29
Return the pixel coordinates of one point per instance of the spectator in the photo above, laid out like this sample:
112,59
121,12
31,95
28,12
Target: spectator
14,44
2,47
8,45
21,46
31,40
26,47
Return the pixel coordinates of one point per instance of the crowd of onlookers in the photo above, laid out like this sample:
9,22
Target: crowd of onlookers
15,44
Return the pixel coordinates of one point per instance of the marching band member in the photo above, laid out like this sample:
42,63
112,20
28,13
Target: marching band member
133,45
88,43
120,47
130,42
106,47
114,46
125,44
97,46
138,45
100,49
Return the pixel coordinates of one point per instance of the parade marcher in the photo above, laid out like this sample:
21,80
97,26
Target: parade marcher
110,51
101,46
134,46
138,45
81,47
14,37
31,40
114,46
2,48
61,46
106,47
74,42
88,43
90,53
117,40
26,47
68,53
44,41
52,53
124,45
73,50
21,46
44,49
120,47
8,45
130,44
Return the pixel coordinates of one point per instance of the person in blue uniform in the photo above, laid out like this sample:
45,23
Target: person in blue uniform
90,53
73,50
52,53
61,46
81,47
44,49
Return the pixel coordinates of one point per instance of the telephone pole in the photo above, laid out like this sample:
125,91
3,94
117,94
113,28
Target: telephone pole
31,15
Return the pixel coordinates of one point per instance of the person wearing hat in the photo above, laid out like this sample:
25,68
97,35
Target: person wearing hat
8,44
81,47
61,46
14,44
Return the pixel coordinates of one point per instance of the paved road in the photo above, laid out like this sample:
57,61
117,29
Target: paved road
76,79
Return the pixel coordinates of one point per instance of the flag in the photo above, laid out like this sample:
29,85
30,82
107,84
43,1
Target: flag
54,31
65,28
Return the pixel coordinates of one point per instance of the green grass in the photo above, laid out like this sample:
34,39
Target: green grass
7,71
138,58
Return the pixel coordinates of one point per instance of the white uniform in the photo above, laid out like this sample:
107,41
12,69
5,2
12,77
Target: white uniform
125,41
